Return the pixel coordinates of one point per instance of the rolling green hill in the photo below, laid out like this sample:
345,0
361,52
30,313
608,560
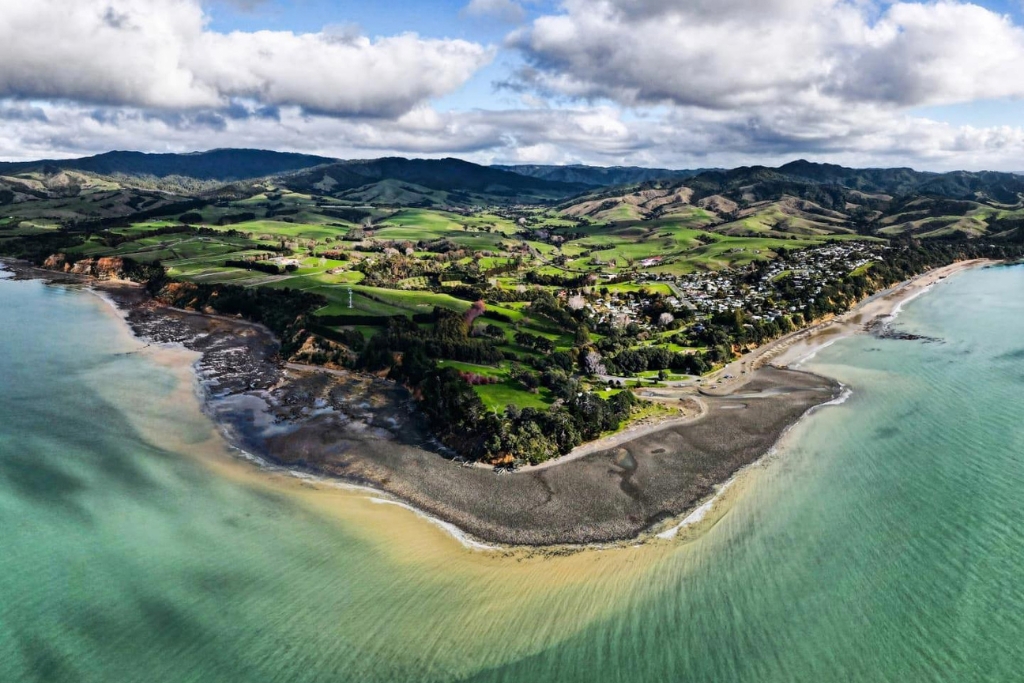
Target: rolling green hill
600,176
220,164
427,181
797,200
803,199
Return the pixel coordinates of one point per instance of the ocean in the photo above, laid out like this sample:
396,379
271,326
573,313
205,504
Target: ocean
883,540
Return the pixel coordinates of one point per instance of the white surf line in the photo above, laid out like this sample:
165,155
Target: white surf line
455,532
814,352
109,301
699,513
844,396
373,495
378,497
899,307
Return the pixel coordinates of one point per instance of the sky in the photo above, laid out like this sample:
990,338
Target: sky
934,85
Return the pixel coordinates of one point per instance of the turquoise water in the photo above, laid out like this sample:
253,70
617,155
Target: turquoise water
883,542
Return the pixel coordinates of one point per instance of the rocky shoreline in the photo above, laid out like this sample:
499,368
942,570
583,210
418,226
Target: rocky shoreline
367,431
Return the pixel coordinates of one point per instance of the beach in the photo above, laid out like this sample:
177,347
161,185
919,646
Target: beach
792,349
368,432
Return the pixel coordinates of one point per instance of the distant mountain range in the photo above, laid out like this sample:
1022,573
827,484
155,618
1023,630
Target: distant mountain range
601,176
230,165
439,181
455,182
223,165
798,200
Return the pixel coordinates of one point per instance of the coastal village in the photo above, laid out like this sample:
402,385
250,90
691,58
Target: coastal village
768,291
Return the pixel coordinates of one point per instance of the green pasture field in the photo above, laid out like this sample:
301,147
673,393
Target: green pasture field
542,247
497,397
485,370
506,309
281,229
415,301
691,217
434,221
17,228
630,287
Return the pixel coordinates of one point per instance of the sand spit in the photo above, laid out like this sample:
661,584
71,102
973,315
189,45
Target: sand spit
613,494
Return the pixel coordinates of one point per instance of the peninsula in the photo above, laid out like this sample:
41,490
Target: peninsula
535,361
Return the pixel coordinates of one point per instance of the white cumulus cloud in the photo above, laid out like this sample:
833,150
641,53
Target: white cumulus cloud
671,83
684,137
727,54
160,54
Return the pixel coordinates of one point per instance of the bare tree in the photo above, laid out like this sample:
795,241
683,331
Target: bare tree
592,363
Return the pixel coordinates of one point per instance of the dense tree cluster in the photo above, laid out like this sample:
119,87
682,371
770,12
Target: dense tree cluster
410,353
92,225
37,248
634,361
446,338
547,306
231,219
251,264
545,280
533,341
286,312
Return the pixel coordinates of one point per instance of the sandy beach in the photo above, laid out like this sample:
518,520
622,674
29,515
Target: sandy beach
790,350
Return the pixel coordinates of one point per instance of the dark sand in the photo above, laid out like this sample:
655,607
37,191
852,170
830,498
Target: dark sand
607,496
367,431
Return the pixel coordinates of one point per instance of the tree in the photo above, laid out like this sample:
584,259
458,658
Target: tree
416,365
582,335
563,360
377,354
592,364
448,398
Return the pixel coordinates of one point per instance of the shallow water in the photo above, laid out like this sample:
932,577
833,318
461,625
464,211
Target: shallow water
882,542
